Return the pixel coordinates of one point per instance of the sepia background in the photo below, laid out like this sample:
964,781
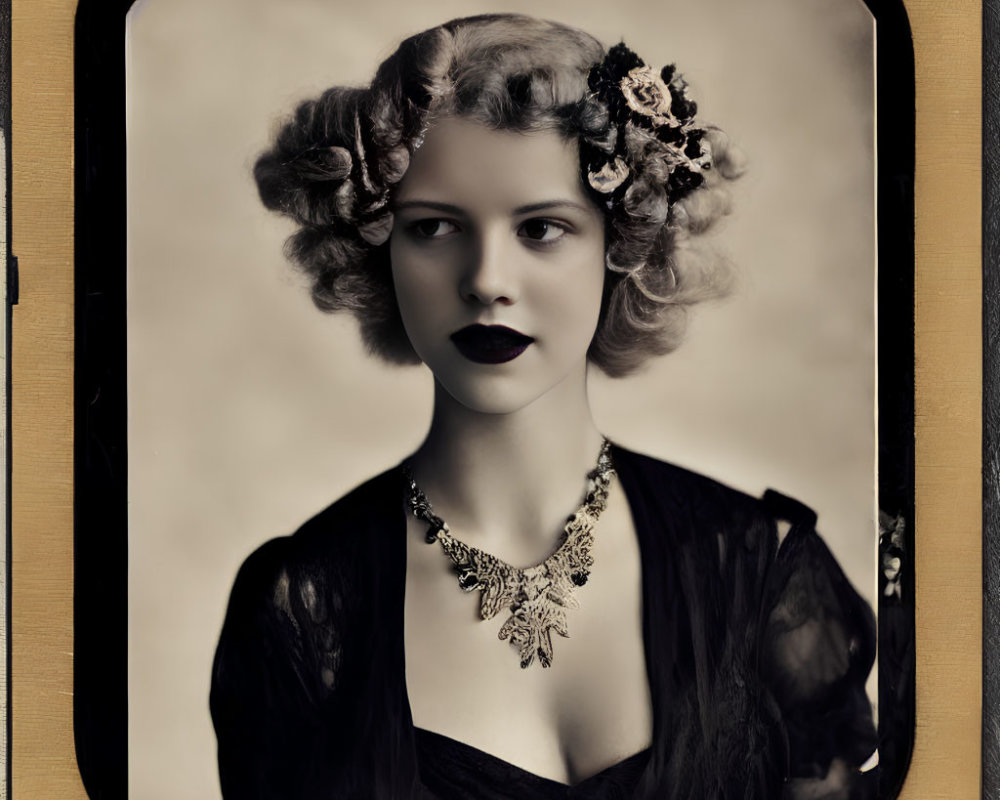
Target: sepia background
249,410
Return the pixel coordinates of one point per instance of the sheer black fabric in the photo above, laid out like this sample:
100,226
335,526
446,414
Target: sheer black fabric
756,654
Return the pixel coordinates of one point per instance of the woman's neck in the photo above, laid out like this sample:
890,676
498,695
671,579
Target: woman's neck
507,482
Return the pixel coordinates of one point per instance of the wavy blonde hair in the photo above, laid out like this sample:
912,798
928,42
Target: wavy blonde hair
334,163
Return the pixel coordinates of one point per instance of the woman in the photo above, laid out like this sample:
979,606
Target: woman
509,203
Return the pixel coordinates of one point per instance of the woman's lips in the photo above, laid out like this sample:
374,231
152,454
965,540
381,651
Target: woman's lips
490,344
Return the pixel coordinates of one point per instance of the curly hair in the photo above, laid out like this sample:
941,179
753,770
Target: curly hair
333,166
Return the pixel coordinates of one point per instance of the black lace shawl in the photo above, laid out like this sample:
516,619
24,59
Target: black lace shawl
756,654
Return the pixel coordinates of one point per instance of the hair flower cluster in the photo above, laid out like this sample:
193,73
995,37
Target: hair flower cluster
651,114
646,94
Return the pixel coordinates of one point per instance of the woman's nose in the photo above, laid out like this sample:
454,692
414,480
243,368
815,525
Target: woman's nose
489,272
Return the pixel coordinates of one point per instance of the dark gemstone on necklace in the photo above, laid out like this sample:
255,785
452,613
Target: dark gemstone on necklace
579,578
432,534
468,580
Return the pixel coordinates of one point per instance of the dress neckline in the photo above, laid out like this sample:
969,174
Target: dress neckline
620,457
438,741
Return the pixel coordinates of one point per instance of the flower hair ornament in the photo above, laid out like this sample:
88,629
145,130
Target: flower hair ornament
650,114
650,143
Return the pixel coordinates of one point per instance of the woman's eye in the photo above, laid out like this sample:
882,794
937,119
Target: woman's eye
542,230
432,228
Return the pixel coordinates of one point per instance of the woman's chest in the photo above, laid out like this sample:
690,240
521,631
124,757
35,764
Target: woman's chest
588,710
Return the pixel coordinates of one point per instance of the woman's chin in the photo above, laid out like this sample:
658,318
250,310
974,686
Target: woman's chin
500,394
488,397
507,387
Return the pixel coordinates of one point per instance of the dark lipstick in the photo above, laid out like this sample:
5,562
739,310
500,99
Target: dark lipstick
490,344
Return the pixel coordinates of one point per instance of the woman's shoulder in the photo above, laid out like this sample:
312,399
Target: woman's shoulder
654,474
292,640
803,556
373,504
663,490
326,549
816,634
699,510
370,506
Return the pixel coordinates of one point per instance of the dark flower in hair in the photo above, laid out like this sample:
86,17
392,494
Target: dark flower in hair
606,76
639,97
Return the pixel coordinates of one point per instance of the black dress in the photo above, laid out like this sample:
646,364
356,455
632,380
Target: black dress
757,657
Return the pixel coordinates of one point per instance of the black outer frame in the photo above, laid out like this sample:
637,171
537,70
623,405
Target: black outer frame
991,401
895,149
100,447
100,570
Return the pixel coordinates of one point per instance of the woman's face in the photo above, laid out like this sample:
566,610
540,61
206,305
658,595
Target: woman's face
498,263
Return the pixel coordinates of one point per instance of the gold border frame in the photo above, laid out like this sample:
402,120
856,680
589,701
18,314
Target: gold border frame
947,43
946,759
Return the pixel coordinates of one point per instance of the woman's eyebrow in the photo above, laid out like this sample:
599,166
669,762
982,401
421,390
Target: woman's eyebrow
545,205
446,207
548,205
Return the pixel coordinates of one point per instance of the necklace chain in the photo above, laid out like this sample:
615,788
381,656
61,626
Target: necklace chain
537,596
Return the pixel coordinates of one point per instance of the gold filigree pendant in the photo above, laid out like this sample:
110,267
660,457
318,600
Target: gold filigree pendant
537,597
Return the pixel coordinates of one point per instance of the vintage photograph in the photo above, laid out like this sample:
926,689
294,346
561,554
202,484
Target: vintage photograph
502,400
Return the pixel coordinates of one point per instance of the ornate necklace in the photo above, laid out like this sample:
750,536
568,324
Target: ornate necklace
537,596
